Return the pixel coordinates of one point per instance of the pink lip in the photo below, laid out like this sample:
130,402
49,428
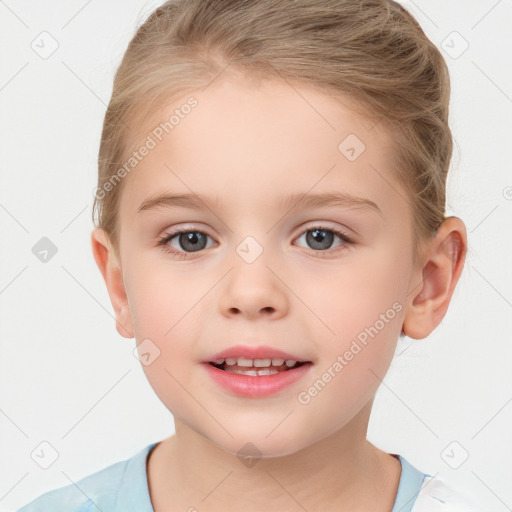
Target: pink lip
250,386
249,352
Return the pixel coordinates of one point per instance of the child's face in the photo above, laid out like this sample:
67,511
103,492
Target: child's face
245,150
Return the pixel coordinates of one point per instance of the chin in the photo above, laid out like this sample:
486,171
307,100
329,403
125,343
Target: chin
256,444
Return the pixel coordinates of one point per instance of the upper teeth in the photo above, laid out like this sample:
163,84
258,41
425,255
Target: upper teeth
260,363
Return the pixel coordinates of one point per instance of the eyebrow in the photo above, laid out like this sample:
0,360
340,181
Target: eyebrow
304,200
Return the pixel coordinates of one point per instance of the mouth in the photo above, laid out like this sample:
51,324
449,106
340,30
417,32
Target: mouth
256,367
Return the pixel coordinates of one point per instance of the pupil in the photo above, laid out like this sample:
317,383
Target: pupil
190,241
318,236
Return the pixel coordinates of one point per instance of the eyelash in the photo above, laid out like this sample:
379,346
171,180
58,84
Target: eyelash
164,240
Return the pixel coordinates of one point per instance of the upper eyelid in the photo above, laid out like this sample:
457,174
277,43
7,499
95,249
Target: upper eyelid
347,241
316,225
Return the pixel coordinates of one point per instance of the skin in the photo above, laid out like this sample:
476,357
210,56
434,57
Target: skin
250,146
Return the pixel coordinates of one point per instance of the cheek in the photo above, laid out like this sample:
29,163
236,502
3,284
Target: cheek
360,313
368,291
161,300
353,361
161,308
161,329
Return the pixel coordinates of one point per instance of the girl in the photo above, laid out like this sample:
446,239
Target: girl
270,220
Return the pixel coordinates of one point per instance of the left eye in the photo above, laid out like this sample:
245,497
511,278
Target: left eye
318,238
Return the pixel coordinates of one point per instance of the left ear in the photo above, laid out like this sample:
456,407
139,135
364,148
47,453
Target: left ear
440,270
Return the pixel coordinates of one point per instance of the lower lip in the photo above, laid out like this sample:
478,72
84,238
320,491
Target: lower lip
256,387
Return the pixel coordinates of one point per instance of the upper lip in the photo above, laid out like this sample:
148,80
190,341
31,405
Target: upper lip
253,352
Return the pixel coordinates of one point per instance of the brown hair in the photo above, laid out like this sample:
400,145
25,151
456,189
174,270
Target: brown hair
370,51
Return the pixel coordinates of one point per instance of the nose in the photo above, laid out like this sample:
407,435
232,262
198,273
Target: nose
254,290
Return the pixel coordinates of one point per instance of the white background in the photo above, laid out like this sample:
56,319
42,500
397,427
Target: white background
69,379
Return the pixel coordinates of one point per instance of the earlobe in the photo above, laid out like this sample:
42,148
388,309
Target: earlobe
441,268
105,257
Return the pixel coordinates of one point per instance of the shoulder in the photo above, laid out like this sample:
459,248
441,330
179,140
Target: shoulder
102,490
436,495
98,489
421,492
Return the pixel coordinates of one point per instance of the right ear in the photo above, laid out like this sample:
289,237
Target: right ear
107,262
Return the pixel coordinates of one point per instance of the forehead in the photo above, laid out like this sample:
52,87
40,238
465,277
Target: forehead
253,144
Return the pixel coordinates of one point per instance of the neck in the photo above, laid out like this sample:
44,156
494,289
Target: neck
341,472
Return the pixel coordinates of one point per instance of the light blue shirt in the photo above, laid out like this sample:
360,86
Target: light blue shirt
123,487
